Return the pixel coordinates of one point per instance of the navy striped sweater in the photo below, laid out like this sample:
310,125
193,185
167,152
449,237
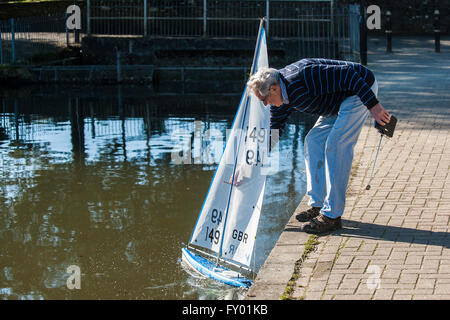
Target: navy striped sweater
318,86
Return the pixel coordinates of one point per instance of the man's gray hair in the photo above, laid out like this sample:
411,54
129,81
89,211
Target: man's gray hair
262,80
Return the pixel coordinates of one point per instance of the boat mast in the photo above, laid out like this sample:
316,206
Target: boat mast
255,56
262,23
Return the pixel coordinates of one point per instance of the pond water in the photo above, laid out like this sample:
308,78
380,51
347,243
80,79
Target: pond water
88,180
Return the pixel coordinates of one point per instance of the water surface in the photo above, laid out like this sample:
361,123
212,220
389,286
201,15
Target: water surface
88,179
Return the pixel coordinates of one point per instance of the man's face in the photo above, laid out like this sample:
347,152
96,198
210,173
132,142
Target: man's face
273,98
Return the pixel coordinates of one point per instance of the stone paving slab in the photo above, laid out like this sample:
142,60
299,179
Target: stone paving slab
395,240
278,268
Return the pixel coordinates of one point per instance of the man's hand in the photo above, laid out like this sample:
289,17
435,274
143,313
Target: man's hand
380,114
238,176
237,180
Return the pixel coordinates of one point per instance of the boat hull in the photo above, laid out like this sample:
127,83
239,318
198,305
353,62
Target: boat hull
211,270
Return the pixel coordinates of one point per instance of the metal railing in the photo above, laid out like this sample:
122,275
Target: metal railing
214,18
31,39
320,28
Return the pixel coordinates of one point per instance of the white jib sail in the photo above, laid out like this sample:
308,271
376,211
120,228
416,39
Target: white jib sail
229,218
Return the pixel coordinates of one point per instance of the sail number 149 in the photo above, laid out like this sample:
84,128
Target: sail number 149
213,234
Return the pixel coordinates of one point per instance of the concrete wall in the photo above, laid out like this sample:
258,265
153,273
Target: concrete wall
183,51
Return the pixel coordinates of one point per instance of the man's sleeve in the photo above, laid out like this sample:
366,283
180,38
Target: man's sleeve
323,79
279,116
278,119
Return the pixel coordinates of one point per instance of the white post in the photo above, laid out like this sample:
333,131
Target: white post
267,15
119,71
182,80
204,16
67,33
145,17
88,16
1,49
332,20
13,42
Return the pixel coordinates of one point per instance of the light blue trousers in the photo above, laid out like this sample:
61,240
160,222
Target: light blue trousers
329,149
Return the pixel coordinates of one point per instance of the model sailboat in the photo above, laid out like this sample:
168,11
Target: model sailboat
222,243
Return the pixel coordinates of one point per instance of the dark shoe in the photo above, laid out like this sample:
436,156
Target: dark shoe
321,224
308,214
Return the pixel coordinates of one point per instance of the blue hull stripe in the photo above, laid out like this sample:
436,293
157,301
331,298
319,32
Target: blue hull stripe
211,270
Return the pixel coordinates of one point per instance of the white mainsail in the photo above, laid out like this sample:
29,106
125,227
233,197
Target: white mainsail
228,220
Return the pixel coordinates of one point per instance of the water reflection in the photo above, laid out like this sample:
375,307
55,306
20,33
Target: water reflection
89,180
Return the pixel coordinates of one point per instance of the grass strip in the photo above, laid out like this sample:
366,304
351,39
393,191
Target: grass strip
310,246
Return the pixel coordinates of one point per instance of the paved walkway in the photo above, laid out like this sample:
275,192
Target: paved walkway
395,241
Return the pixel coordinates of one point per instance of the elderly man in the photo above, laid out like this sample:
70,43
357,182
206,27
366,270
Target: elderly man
342,93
